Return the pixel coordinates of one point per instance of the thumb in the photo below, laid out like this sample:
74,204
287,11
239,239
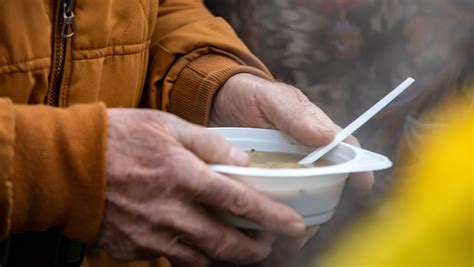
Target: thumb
289,110
306,123
210,146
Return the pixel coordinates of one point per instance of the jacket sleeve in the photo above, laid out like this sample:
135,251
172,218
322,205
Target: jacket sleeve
192,54
52,169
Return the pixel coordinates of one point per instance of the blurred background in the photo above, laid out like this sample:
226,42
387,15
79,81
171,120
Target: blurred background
347,54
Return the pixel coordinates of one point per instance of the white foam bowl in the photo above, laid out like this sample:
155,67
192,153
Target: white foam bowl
312,192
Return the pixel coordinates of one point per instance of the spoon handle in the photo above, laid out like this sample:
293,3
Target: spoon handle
356,124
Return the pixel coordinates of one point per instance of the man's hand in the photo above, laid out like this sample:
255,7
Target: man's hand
249,101
160,194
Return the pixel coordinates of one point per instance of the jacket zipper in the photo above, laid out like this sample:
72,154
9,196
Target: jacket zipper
66,28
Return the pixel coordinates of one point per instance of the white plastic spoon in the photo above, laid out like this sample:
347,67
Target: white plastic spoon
361,120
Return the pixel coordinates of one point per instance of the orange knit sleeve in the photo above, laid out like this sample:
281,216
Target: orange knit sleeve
55,160
192,54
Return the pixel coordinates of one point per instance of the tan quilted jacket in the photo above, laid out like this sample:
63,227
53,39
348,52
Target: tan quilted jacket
169,55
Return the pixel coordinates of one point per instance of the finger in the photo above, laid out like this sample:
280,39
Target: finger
216,239
363,181
225,194
184,255
209,145
265,237
292,246
168,243
310,233
305,126
292,112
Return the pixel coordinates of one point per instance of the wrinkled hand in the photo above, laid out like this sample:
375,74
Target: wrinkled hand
160,194
249,101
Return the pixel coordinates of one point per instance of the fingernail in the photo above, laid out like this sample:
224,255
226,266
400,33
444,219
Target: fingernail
321,127
324,128
239,157
329,132
297,228
327,135
327,129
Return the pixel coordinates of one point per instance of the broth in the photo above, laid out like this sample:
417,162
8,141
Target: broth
275,160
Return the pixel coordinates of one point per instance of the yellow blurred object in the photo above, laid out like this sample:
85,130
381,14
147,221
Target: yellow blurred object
428,220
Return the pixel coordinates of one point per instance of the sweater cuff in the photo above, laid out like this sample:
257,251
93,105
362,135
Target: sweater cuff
194,90
7,133
59,169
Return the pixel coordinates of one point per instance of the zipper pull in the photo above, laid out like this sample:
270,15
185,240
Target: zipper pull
69,24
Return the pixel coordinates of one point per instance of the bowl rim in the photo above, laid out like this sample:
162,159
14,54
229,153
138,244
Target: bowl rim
364,160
